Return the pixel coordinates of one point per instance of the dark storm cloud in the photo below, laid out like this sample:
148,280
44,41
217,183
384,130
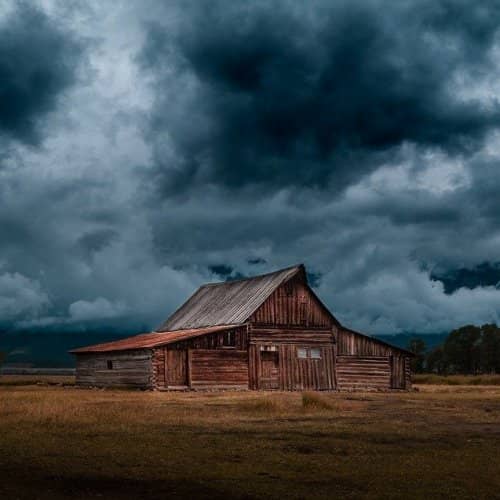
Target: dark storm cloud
485,274
96,240
275,93
38,61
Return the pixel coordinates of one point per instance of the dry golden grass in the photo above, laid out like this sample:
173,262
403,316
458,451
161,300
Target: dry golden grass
37,380
315,401
430,378
60,442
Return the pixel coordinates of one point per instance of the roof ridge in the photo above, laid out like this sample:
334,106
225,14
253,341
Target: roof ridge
215,283
228,301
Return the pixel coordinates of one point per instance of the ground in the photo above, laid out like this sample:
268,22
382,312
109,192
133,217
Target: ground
59,441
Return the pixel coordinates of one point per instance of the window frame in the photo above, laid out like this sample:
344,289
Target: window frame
307,353
317,351
229,339
302,350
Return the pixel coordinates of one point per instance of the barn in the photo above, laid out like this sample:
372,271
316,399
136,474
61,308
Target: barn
268,332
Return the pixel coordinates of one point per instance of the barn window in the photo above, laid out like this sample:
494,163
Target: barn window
110,364
229,339
302,353
308,352
315,353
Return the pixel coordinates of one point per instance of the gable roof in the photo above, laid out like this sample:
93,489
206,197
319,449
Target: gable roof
150,340
230,302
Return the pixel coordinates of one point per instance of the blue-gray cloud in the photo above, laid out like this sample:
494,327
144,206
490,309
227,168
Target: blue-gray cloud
280,94
38,61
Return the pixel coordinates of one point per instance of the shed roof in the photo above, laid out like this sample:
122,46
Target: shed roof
230,302
150,340
378,341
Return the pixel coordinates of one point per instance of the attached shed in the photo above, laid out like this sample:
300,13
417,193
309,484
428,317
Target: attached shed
269,332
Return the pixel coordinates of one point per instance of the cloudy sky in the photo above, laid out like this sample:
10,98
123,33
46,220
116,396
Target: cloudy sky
147,147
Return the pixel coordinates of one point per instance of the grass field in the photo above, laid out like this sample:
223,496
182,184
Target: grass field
57,441
430,378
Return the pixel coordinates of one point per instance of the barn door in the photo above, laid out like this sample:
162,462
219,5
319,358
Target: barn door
176,367
398,372
270,369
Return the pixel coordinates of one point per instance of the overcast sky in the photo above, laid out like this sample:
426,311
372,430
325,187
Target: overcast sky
148,147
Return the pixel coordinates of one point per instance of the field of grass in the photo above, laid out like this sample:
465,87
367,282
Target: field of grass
58,441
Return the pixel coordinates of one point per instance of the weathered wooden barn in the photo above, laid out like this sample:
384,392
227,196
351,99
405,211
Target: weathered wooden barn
262,333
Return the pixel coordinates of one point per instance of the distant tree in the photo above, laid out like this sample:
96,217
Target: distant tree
417,346
462,350
467,350
2,358
435,361
490,349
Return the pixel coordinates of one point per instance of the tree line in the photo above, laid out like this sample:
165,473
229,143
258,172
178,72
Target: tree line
468,350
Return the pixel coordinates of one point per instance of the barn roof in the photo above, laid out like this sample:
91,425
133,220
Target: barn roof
230,302
150,340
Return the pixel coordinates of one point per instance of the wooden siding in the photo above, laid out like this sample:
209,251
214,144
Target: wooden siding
176,369
291,336
215,340
293,373
212,368
349,343
270,370
408,373
129,369
292,304
158,367
363,372
164,363
398,372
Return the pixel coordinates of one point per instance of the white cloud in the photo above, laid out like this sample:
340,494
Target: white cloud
100,308
20,296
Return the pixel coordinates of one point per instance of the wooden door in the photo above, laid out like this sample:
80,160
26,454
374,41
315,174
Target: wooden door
176,367
398,379
270,370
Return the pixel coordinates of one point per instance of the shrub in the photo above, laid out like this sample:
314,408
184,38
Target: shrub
314,401
263,405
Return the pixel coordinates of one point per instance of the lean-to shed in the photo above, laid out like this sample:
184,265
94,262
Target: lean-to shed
261,333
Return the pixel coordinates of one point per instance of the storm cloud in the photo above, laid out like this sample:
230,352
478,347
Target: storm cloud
280,93
147,149
38,62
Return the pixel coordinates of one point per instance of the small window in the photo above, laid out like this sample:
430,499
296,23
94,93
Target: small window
110,364
315,353
229,339
302,353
